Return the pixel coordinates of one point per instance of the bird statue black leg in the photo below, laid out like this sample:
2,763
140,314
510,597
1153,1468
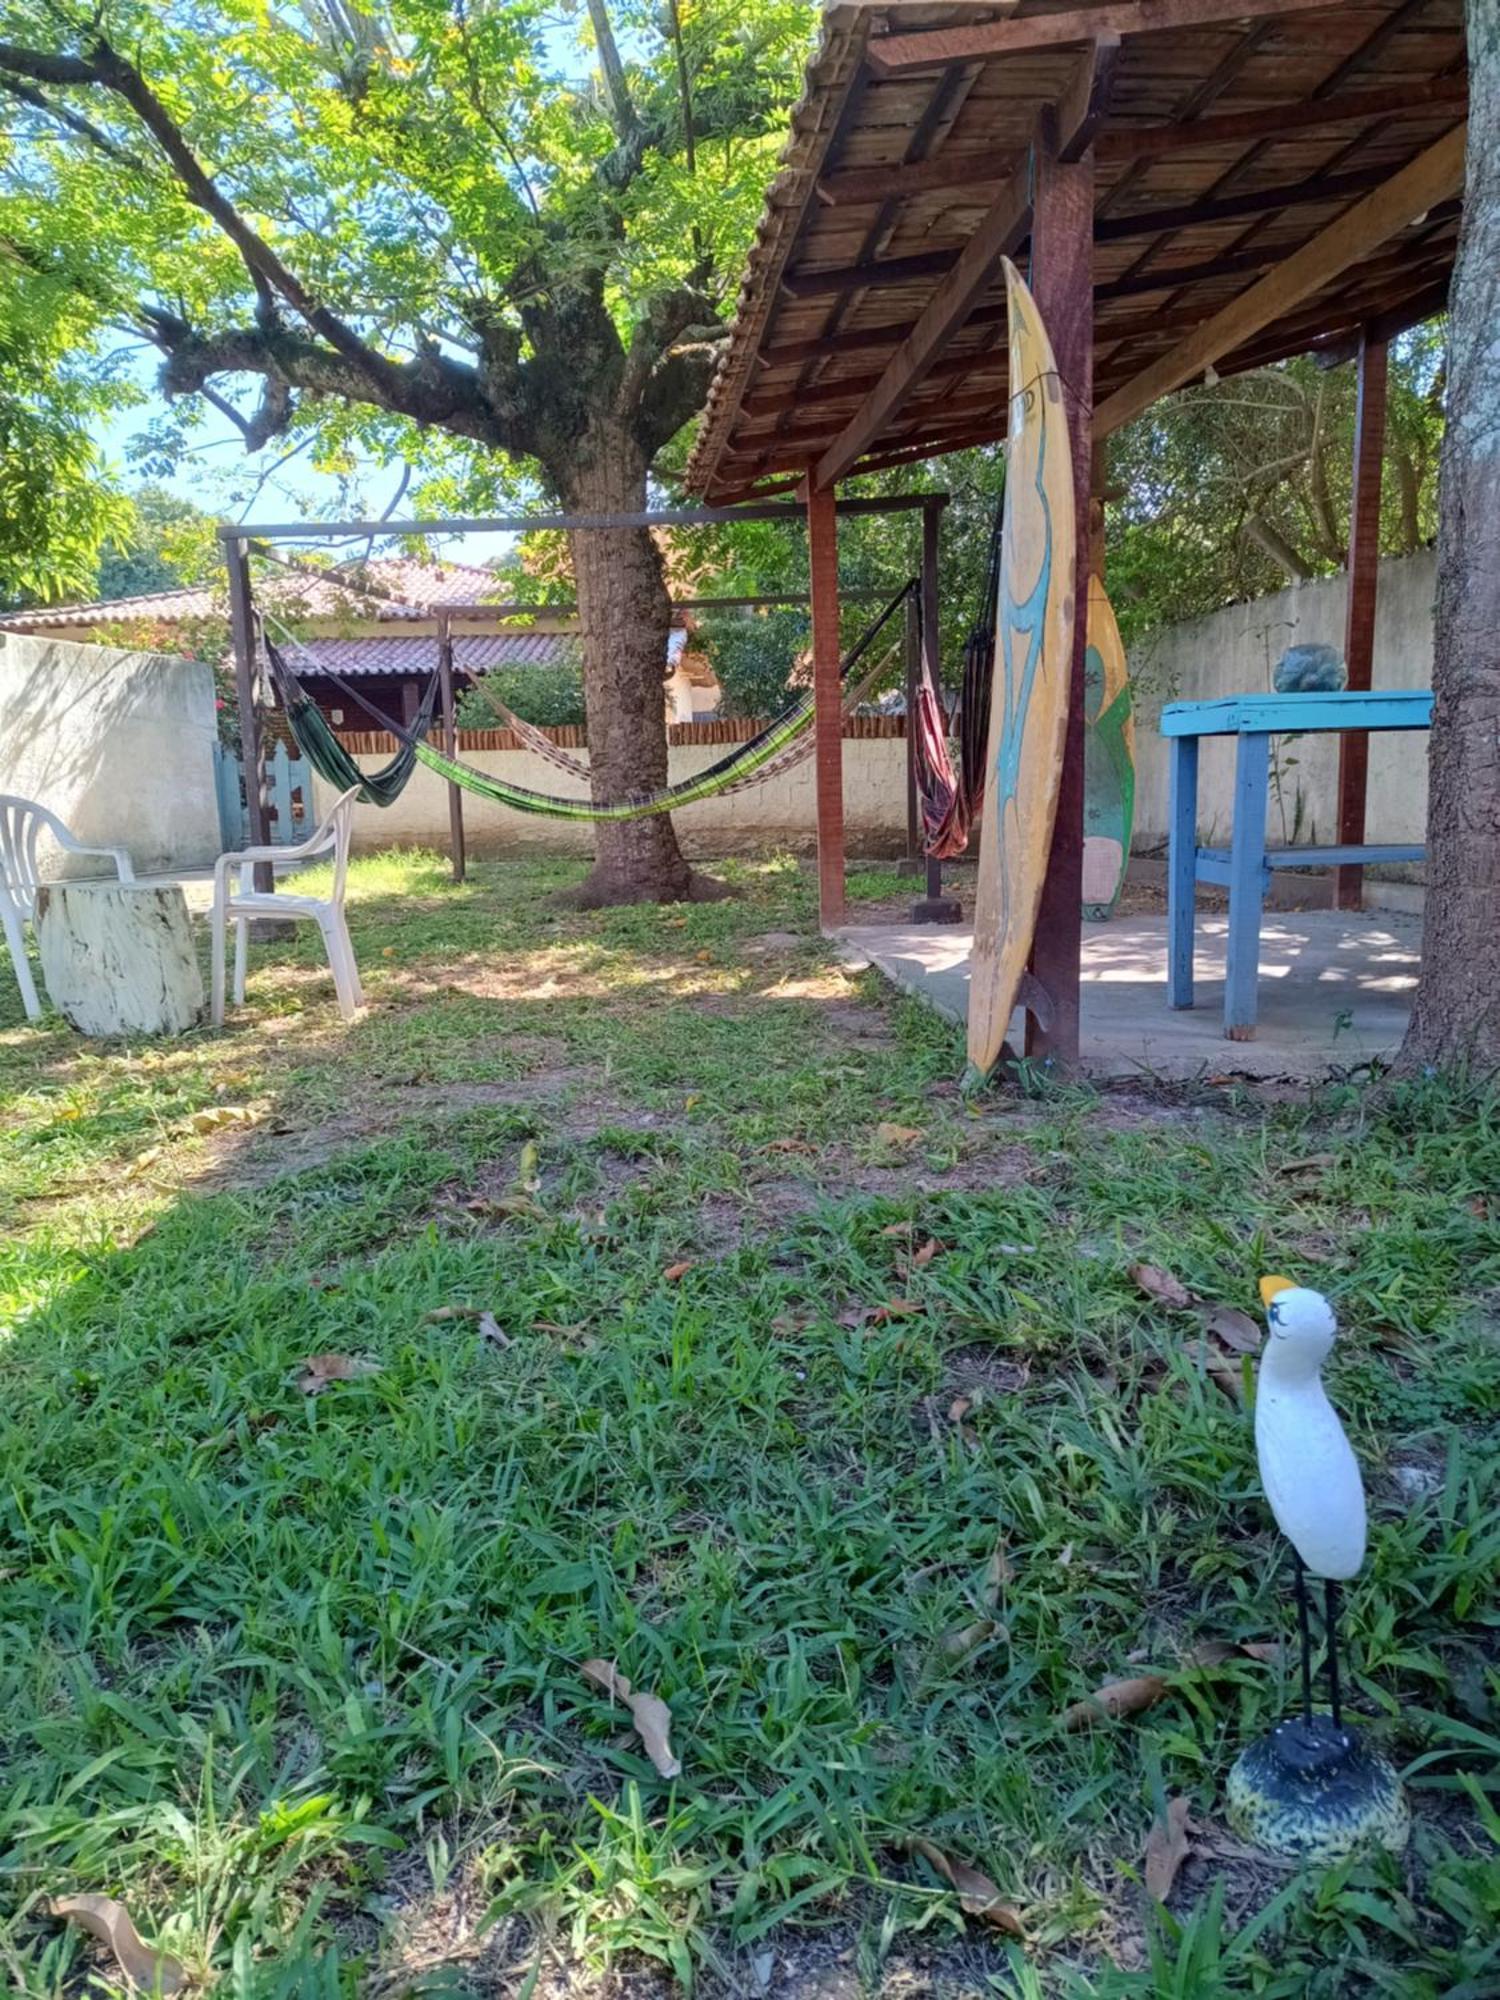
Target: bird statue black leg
1331,1637
1305,1635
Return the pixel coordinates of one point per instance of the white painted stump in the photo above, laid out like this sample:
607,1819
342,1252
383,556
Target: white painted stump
118,957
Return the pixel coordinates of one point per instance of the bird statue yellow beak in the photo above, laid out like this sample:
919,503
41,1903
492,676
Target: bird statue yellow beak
1270,1287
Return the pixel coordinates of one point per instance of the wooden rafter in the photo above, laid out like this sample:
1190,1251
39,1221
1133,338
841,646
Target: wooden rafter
1434,176
891,54
970,168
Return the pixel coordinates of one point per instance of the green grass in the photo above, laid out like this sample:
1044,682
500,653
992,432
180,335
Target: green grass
298,1678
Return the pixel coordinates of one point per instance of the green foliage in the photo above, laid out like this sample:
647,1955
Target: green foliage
1228,491
169,542
298,1679
549,696
756,656
57,506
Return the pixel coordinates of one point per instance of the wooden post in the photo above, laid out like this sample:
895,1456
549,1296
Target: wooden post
1359,620
1062,281
450,744
823,561
242,636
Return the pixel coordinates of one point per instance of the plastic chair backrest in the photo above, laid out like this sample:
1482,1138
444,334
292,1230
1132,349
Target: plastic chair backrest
339,829
21,824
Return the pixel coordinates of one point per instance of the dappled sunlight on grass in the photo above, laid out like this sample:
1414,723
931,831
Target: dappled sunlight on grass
298,1677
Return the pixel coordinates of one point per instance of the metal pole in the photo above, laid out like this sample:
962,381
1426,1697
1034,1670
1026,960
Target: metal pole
520,524
912,865
242,636
450,744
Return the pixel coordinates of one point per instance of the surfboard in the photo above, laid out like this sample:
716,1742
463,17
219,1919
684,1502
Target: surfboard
1033,662
1108,759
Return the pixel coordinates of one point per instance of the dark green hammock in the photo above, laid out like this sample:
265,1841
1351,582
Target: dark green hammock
314,737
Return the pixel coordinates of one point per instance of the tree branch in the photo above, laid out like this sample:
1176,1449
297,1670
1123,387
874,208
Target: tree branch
73,121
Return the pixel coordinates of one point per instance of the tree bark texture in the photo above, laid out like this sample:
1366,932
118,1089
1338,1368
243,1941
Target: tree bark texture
1457,1015
625,614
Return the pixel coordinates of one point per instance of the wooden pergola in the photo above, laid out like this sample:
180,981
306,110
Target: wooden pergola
1195,187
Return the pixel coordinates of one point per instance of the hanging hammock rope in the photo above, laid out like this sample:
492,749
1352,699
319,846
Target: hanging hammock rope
314,737
951,795
771,751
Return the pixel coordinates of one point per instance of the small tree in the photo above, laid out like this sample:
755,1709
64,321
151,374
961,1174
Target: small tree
422,237
1457,1015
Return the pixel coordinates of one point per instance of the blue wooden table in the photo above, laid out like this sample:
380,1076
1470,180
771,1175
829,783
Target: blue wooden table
1244,867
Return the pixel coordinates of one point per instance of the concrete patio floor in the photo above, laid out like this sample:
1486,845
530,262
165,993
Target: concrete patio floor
1335,990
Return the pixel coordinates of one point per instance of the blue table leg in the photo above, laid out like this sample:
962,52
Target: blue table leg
1247,868
1182,870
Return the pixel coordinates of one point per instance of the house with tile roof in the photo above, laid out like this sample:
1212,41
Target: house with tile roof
374,625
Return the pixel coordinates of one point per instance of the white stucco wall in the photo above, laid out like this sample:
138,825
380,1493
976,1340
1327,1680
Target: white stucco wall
118,744
780,812
1234,652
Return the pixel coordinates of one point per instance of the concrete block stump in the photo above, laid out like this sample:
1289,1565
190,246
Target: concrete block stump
118,957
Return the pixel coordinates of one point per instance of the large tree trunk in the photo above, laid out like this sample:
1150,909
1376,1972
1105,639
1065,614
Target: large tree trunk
626,613
1457,1017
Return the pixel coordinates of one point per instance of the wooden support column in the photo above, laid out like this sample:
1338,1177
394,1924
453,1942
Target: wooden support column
450,744
242,637
1062,281
828,721
1359,619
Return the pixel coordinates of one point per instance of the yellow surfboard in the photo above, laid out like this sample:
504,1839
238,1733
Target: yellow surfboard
1108,759
1033,668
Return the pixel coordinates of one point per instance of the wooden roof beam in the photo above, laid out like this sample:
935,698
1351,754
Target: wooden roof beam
1005,226
1433,176
895,54
972,169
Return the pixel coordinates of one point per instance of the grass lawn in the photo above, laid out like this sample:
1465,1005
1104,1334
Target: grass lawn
297,1677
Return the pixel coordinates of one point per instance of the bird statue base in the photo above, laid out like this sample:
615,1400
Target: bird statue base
1314,1790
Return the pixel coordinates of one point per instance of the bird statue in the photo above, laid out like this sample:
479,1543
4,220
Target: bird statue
1312,1789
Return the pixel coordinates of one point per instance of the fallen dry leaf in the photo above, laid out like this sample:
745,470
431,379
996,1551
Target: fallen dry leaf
320,1370
977,1894
1167,1847
1210,1653
1228,1380
441,1313
1268,1651
674,1273
1234,1328
1159,1284
653,1719
1313,1164
897,1229
959,1408
491,1330
897,1135
213,1116
964,1638
927,1251
996,1575
144,1162
788,1146
1114,1699
528,1177
153,1971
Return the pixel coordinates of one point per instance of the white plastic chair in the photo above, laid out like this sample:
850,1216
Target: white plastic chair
22,823
246,902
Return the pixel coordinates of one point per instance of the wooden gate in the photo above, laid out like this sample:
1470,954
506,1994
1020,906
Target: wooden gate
289,798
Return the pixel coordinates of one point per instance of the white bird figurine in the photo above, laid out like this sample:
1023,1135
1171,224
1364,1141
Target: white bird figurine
1307,1466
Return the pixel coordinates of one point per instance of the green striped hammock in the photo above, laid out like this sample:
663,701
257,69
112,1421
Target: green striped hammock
781,744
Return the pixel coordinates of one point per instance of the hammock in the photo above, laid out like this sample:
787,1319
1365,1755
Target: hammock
322,749
772,750
950,797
